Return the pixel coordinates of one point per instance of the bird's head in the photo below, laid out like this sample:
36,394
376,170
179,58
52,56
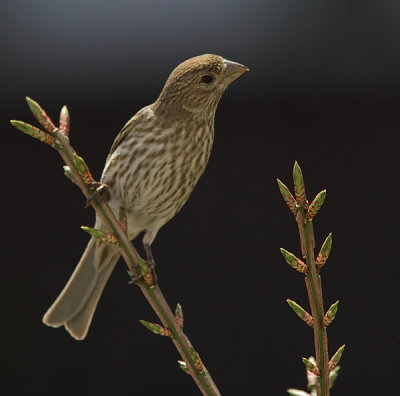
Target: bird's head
196,85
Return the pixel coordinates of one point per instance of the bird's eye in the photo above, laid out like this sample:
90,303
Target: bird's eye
207,79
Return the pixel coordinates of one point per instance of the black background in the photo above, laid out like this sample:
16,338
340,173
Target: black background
323,89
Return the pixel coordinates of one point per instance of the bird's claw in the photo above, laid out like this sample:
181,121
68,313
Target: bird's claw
100,193
134,279
152,265
149,277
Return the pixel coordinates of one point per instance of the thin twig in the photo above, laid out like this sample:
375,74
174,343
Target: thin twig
323,370
314,292
59,140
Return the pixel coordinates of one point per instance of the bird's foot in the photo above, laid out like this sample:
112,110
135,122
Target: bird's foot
147,274
100,193
150,262
134,278
152,265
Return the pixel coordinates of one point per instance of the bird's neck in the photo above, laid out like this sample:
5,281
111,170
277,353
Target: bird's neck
185,112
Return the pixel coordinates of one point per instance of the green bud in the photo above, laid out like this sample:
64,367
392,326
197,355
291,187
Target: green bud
144,267
330,314
293,261
179,315
80,164
183,366
333,375
95,233
299,188
196,360
40,115
324,252
316,205
296,392
153,327
35,133
68,173
336,357
300,312
288,197
310,366
312,378
194,354
64,120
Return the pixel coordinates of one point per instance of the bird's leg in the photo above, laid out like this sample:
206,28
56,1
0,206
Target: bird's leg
149,256
100,193
150,260
149,277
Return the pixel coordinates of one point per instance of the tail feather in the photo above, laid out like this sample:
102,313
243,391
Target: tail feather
75,306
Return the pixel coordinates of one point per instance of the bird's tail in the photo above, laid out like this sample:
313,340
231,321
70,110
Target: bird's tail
75,306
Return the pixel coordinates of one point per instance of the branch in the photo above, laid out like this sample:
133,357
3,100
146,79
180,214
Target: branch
78,172
322,370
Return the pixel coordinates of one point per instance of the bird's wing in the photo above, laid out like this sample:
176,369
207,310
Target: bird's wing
129,127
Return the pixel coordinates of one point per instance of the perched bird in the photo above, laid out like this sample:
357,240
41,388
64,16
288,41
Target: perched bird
152,168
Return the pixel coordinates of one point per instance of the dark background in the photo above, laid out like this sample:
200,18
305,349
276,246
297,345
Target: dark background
323,89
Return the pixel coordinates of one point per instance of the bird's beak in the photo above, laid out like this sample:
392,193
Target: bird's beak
233,70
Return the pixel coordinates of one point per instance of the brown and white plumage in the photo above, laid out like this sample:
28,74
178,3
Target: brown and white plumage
153,166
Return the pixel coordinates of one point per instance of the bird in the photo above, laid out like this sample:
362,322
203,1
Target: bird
152,168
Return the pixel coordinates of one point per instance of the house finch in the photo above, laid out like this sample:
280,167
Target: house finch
153,166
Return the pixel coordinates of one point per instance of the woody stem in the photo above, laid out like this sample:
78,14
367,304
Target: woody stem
314,290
